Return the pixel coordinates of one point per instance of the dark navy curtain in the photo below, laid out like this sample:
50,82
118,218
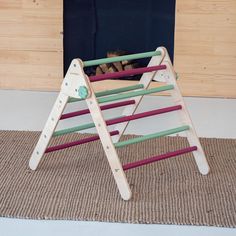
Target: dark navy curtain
93,27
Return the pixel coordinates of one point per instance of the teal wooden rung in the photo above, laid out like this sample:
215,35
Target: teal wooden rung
135,93
151,136
111,92
121,58
76,128
73,129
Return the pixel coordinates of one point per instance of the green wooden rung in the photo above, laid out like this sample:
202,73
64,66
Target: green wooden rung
121,58
135,93
151,136
119,90
76,128
111,92
73,129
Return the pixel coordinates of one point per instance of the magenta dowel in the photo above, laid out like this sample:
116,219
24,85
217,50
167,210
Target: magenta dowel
124,73
158,158
143,114
104,107
78,142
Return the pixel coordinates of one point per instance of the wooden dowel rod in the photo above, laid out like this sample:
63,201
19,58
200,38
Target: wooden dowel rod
121,58
111,92
151,136
124,73
143,115
158,158
76,143
104,107
135,94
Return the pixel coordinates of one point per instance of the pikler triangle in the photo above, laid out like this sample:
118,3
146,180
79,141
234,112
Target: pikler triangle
77,86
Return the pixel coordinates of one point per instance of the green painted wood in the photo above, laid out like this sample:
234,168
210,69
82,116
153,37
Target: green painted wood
83,92
77,128
135,94
73,129
121,58
119,90
111,92
151,136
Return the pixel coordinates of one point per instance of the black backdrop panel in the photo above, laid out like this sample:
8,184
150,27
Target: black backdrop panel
93,27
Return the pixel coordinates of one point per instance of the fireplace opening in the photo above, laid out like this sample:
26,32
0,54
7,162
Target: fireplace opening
99,28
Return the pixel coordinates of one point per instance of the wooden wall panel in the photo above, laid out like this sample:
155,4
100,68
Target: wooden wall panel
31,53
205,47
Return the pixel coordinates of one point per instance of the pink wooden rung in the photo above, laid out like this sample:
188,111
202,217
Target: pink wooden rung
104,107
78,142
124,73
158,158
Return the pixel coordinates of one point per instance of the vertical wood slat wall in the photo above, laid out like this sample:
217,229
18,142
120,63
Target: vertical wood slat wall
31,54
31,47
205,47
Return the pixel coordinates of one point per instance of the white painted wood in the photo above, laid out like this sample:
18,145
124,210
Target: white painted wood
145,80
108,147
170,76
48,130
74,78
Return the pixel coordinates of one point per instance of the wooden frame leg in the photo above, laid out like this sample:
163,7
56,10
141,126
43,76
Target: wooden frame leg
170,77
48,130
109,148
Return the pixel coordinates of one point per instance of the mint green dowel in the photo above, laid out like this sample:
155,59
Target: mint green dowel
121,58
73,129
135,94
151,136
119,90
111,92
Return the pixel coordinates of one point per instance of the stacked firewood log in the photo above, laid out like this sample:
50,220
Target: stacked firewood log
116,66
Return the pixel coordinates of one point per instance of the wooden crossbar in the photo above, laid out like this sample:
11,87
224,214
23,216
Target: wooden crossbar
158,158
124,73
104,107
121,58
151,136
77,142
135,94
111,92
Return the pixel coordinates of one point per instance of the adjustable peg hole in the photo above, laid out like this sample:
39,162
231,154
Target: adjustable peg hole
52,119
107,147
74,65
66,84
37,153
45,136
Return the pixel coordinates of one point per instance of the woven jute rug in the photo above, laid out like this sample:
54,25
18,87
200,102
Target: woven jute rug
77,184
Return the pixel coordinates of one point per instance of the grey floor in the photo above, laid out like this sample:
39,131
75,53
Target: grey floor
25,110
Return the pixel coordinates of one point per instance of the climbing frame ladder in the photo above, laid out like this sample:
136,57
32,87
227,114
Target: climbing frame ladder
77,86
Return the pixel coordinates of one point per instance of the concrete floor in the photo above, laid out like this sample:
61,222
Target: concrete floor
25,110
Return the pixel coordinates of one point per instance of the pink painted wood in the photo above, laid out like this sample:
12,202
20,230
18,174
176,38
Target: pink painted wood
158,158
124,73
143,114
76,143
104,107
